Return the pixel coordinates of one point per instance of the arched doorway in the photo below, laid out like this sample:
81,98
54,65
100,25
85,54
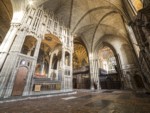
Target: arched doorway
28,47
109,75
81,75
49,57
42,66
47,75
20,81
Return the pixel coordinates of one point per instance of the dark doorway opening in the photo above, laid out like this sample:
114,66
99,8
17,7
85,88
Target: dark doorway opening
109,75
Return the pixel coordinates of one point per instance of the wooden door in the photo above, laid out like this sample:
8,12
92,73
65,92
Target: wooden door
20,81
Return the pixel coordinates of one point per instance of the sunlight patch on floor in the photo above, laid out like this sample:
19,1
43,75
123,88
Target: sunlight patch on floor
69,98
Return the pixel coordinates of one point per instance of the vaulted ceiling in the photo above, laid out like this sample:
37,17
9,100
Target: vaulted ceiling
92,21
5,17
79,15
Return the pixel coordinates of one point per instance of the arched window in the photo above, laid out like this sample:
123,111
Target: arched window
107,59
28,47
67,59
42,66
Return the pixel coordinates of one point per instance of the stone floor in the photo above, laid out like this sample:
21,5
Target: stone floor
83,101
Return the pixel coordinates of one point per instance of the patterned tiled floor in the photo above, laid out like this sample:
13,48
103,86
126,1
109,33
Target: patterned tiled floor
83,102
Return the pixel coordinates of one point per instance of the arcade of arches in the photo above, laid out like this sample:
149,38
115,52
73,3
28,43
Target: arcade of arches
49,46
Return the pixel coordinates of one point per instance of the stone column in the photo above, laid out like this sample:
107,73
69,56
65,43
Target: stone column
94,71
37,48
50,66
133,40
7,73
71,70
28,87
97,74
6,44
91,70
63,68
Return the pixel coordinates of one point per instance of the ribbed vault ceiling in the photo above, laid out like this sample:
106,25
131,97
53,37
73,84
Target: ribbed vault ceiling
5,17
90,20
80,55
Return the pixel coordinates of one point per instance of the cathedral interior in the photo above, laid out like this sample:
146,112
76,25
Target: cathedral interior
61,46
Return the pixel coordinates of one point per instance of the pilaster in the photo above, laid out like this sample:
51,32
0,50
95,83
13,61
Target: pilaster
7,43
94,71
